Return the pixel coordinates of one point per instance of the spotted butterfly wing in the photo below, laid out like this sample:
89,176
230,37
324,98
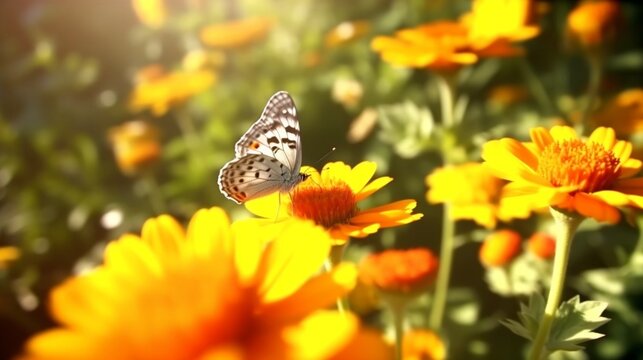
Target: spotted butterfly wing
268,155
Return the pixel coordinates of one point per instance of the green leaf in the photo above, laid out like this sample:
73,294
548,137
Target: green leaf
573,323
408,127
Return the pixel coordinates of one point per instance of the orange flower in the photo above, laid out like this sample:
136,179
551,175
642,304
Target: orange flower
159,91
423,345
624,113
152,13
330,200
542,245
400,271
499,248
439,45
474,193
236,33
216,291
346,32
506,95
559,169
495,24
136,146
593,23
8,254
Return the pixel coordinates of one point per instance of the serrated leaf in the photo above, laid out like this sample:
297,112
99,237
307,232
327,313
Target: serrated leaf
574,322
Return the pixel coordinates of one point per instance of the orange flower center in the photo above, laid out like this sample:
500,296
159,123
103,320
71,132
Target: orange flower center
587,165
326,206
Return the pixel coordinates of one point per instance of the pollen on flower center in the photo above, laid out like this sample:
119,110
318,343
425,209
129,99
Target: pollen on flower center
587,165
325,205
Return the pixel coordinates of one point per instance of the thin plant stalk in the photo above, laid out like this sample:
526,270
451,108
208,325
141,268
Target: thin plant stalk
595,76
566,225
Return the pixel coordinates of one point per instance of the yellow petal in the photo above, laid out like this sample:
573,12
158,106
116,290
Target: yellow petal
630,168
372,187
511,160
164,234
64,344
562,133
541,137
209,232
319,292
604,136
614,198
335,170
361,175
289,261
274,206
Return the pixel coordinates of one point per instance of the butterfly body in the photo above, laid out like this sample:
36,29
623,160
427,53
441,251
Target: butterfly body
268,155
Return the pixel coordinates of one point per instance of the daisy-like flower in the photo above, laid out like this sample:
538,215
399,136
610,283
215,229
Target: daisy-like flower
214,292
400,271
423,345
499,248
162,91
330,199
236,33
593,23
8,254
592,177
152,13
474,193
136,146
623,113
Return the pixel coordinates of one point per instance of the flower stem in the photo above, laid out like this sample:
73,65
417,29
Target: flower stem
566,225
444,272
154,193
446,100
595,76
397,305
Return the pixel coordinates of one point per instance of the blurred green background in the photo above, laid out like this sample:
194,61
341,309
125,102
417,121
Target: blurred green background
68,69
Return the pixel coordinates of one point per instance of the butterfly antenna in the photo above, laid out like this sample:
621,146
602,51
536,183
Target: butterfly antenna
325,155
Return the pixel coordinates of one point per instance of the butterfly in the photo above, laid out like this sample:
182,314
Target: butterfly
268,155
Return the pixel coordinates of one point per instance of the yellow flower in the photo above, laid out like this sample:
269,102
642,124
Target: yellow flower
152,13
587,176
400,271
623,113
423,345
439,45
593,23
213,291
161,92
136,145
8,254
494,24
499,248
346,32
236,33
473,193
330,200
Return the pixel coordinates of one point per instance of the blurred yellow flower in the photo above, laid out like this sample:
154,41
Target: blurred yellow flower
593,23
623,113
346,32
136,145
494,24
240,291
162,91
400,271
499,248
152,13
347,92
542,245
330,200
438,45
236,33
203,59
8,254
474,193
423,345
559,169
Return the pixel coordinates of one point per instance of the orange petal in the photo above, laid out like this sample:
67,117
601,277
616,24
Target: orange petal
64,344
590,206
358,231
629,186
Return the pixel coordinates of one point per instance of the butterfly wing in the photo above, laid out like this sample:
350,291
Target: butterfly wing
275,134
252,176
